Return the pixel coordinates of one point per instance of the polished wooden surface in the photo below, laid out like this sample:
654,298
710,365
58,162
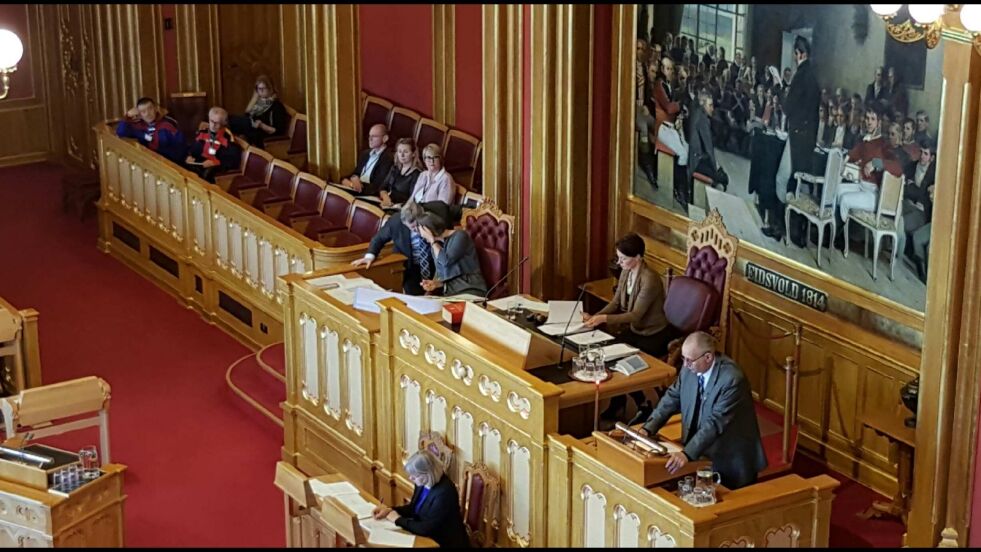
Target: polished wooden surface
890,424
91,516
28,373
249,45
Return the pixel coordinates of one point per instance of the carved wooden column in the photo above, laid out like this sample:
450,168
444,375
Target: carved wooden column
622,146
951,365
502,124
197,50
333,86
561,107
444,63
293,88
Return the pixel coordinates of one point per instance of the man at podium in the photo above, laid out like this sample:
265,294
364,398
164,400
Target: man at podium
717,414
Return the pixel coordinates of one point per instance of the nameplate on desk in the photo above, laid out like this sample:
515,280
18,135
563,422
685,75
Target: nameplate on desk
791,289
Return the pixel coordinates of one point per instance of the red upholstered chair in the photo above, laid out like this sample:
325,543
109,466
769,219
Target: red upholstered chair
305,202
402,124
428,132
279,188
711,255
335,209
480,493
460,156
254,173
492,233
364,223
277,146
297,152
376,111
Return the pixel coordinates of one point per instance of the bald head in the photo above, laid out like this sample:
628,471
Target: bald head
667,67
698,352
377,136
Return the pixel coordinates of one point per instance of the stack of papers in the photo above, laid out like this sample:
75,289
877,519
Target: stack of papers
503,303
618,350
467,297
588,338
563,328
341,288
384,537
564,311
366,299
345,493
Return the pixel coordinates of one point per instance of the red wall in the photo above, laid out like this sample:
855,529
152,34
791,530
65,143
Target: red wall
600,156
13,17
469,68
396,53
169,50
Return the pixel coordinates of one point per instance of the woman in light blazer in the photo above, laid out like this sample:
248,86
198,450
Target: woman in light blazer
434,183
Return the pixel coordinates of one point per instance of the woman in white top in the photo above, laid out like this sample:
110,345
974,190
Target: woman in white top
434,184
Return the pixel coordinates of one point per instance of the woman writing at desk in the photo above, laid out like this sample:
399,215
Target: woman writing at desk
638,302
434,510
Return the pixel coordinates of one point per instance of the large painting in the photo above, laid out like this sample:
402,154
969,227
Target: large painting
793,122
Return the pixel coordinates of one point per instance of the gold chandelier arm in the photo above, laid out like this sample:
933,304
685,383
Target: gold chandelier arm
5,82
908,32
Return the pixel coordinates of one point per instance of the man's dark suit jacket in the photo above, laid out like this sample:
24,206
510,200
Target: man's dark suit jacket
801,107
438,518
700,146
919,193
728,432
870,96
401,237
374,183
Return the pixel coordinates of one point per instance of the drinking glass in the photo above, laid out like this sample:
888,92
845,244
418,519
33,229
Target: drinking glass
513,310
685,488
702,496
89,457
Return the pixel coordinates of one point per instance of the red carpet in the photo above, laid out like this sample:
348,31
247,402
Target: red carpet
200,459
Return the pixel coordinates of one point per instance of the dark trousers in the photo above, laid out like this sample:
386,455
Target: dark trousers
412,280
655,345
241,125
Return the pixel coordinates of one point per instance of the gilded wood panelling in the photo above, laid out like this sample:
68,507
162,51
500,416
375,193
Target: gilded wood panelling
333,97
621,120
503,152
444,63
249,45
561,87
197,49
293,85
27,118
98,59
946,431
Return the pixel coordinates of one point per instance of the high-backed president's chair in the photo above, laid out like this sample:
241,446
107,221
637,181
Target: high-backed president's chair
699,300
492,233
480,493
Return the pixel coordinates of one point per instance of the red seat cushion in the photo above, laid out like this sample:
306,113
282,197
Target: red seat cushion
321,225
691,304
341,238
242,182
292,210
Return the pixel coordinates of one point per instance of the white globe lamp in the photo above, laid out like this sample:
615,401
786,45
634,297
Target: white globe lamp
971,17
11,50
925,14
885,9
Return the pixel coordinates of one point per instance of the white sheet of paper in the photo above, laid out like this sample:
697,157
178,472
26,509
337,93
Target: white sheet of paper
338,279
563,311
391,538
365,299
372,524
468,297
343,295
587,338
560,328
618,350
320,488
354,502
519,301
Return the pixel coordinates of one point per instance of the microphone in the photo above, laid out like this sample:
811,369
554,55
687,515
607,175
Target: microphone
504,278
558,363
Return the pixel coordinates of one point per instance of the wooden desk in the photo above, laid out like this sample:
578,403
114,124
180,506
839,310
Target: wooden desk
91,516
890,424
601,289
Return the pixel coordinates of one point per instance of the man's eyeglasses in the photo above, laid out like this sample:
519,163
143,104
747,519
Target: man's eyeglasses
688,362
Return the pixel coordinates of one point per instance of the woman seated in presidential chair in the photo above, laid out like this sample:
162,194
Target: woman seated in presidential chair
434,510
457,265
638,302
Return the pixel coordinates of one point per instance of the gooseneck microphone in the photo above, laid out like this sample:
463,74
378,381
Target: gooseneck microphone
504,279
558,363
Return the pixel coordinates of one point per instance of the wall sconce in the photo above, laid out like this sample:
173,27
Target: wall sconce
11,50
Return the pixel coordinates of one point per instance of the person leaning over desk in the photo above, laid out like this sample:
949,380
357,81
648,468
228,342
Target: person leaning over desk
457,265
434,510
639,302
717,414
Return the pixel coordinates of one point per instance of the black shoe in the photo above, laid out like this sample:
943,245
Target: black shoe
773,232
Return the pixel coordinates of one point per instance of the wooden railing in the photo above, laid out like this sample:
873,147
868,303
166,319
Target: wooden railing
22,361
196,231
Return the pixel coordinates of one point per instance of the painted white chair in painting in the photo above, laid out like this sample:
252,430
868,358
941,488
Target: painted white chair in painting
884,221
819,214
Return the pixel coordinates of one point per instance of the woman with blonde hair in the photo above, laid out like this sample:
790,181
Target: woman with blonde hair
264,116
434,510
401,178
434,184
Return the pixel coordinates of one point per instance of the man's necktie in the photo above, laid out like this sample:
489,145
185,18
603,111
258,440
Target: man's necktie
693,427
420,253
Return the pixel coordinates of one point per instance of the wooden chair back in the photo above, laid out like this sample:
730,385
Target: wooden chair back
492,233
480,504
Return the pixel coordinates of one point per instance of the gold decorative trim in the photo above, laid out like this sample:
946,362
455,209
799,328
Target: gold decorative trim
622,134
444,63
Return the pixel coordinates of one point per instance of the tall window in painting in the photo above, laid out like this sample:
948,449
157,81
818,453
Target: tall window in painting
723,25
